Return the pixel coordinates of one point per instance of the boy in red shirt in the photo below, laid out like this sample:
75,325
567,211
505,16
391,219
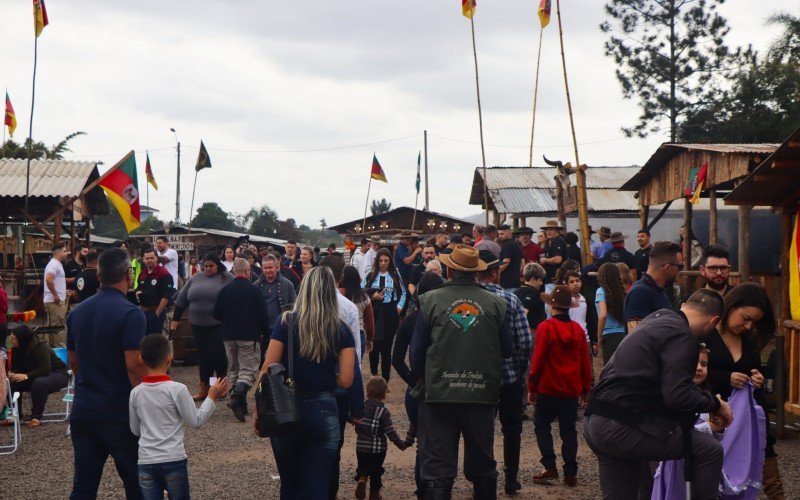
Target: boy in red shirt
560,375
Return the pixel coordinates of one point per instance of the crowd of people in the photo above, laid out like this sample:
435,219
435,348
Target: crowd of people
479,326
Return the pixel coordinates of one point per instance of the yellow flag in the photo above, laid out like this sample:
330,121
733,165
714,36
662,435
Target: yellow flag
468,8
544,12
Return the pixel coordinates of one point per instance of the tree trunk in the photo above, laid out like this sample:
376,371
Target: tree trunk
673,106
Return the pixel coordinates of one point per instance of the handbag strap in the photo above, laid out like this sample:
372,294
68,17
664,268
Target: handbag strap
290,338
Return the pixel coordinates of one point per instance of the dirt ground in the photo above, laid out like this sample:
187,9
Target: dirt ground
226,460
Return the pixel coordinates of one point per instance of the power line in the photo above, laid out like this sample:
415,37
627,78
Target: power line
527,145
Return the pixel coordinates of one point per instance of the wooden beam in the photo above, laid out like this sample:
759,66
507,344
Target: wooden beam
786,164
58,229
644,215
712,216
687,242
744,242
88,188
37,224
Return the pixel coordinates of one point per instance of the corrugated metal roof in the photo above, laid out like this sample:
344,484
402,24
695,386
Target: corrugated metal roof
542,177
729,148
233,234
48,177
539,200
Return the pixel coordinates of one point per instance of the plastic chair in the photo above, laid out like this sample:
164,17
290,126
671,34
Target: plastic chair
13,415
69,391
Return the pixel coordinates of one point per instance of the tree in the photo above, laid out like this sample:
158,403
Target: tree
211,216
39,150
288,230
261,221
322,223
380,207
764,101
671,57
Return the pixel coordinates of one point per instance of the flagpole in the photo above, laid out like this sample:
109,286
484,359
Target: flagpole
535,95
147,177
427,199
3,151
580,175
366,204
414,218
30,148
191,207
480,120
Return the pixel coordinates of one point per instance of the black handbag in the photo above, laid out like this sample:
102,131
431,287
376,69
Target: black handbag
276,403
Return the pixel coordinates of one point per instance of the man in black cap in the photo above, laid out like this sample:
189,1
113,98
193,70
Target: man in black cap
645,400
510,259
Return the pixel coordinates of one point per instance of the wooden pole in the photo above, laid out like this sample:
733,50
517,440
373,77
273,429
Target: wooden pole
744,243
687,241
72,230
427,199
366,204
535,96
580,174
30,135
785,313
712,216
480,124
644,214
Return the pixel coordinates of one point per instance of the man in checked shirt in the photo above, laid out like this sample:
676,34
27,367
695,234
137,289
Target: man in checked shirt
515,369
371,444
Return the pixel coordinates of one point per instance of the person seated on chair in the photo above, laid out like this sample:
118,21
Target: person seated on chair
35,368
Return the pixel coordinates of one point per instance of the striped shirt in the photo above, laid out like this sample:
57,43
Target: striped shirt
517,323
373,429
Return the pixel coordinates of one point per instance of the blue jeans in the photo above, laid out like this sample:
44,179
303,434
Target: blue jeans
173,477
93,442
306,458
155,323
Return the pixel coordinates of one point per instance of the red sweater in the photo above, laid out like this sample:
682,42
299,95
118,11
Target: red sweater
560,364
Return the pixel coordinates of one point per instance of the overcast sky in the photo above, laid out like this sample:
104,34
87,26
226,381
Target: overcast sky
263,84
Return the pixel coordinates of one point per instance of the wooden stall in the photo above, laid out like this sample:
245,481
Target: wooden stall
386,225
775,183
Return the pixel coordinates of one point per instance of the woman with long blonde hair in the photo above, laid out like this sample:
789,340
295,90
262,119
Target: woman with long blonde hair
324,358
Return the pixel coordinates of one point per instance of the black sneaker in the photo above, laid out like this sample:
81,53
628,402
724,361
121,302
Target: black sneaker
512,486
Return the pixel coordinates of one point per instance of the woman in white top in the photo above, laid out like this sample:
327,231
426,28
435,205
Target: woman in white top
228,255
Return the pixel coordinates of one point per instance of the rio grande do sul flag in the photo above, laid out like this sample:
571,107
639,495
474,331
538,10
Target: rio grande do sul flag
122,189
377,171
794,271
544,12
468,8
10,119
697,179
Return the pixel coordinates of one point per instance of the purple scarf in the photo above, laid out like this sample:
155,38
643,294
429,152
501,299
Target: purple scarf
743,443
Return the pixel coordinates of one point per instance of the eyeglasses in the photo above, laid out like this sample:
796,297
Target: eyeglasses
718,269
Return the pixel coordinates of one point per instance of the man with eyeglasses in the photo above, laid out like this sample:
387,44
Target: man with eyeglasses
648,295
715,268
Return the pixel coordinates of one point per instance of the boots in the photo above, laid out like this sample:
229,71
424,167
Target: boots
238,403
361,488
438,490
772,484
485,489
511,449
202,393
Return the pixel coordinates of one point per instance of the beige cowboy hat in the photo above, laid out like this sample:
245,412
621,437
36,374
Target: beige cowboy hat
405,233
560,298
551,224
604,230
463,258
616,237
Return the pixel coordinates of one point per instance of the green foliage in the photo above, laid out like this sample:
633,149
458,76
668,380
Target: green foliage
671,57
110,226
39,150
262,221
380,207
210,215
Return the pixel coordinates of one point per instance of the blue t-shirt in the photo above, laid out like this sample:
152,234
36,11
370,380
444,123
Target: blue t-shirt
644,298
310,376
400,253
612,324
99,331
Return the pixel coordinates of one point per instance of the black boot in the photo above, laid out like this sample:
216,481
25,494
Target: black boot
485,488
236,403
434,491
511,450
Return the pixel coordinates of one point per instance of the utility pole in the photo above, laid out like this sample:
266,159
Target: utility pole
178,182
427,180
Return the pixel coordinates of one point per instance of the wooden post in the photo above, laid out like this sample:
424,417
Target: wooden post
88,241
644,214
523,221
562,217
783,314
712,216
687,242
72,229
744,243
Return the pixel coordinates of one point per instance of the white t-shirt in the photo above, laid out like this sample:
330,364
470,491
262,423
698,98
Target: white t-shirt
56,268
228,265
172,265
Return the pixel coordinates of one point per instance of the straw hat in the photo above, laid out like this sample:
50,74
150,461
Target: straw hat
604,231
463,258
616,237
560,298
551,224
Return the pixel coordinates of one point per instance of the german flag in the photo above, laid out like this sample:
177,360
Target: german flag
148,171
122,189
468,8
377,170
39,17
544,12
10,117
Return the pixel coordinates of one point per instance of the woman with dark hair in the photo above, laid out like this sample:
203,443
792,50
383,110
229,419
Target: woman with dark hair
228,254
561,273
388,293
428,281
610,302
198,295
305,263
745,328
324,359
573,250
695,246
35,368
351,289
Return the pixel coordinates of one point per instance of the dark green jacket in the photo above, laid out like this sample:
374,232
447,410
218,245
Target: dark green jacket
37,360
464,340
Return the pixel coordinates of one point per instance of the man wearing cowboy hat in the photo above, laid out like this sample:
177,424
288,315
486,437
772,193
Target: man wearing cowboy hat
530,250
604,234
555,250
404,255
515,369
560,375
457,352
618,253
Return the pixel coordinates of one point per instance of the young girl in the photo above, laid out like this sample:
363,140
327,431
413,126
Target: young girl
609,300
